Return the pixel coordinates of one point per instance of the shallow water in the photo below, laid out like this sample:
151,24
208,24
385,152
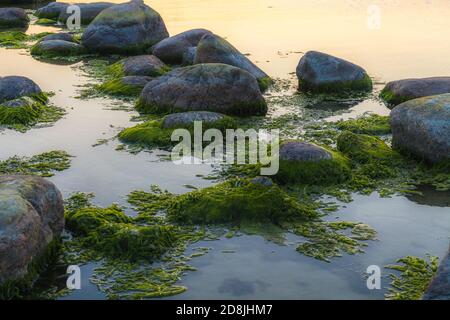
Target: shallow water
409,44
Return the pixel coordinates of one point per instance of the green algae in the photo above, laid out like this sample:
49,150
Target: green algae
44,164
116,70
373,124
45,22
392,99
19,39
414,278
264,83
364,84
116,87
152,134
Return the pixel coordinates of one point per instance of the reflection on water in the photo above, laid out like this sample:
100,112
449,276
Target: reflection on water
430,197
274,33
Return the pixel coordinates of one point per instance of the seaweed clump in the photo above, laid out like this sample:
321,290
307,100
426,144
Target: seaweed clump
414,278
44,164
19,39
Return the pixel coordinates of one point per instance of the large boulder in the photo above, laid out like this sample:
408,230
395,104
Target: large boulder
439,288
320,72
89,11
131,27
214,49
143,65
51,10
396,92
13,87
31,218
421,127
57,48
178,49
13,18
207,87
305,163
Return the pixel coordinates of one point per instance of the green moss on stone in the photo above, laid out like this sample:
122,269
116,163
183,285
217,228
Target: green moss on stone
364,84
116,87
45,22
393,99
373,124
264,83
18,39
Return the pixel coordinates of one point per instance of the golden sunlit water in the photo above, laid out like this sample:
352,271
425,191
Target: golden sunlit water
391,39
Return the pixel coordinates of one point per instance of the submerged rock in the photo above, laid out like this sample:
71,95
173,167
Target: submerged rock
396,92
57,48
13,87
13,18
185,119
51,10
306,163
89,11
204,87
144,65
321,72
125,86
439,288
31,219
131,27
421,127
59,36
179,48
214,49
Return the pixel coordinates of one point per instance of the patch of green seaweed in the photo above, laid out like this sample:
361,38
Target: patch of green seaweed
19,39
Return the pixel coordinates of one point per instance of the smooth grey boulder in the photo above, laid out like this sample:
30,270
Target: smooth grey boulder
421,127
396,92
13,87
89,11
131,27
144,65
13,18
57,48
189,56
320,72
31,217
59,36
303,151
214,49
51,10
439,288
176,49
208,87
184,119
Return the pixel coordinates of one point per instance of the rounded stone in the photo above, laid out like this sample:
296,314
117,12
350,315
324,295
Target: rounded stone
183,119
13,87
303,151
13,18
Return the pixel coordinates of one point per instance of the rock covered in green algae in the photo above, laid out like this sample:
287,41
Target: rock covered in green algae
158,132
65,36
204,87
143,65
109,233
57,48
13,87
439,288
364,148
13,18
306,163
51,10
31,219
88,11
176,49
125,86
236,201
396,92
320,72
421,127
214,49
130,27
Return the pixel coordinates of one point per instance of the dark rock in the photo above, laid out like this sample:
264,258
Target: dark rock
321,72
214,49
89,11
183,119
302,151
57,48
439,288
264,181
13,18
208,87
189,56
145,65
51,11
31,217
131,27
13,87
179,48
136,81
421,127
59,36
396,92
